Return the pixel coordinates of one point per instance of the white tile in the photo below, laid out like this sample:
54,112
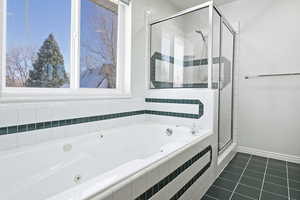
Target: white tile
107,195
153,177
125,192
44,114
139,185
27,115
162,194
26,138
75,130
8,141
9,116
164,169
59,111
43,135
174,163
188,195
171,107
57,133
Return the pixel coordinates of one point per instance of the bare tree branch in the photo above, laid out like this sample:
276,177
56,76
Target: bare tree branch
102,49
18,62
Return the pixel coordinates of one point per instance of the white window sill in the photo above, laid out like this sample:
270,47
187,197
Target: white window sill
8,98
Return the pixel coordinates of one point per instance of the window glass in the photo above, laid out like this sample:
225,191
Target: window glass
38,43
98,43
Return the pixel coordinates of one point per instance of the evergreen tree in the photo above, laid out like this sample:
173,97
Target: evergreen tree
48,68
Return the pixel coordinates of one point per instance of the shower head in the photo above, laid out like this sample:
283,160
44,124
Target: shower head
202,35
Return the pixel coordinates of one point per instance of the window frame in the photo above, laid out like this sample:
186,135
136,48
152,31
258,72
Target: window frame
123,72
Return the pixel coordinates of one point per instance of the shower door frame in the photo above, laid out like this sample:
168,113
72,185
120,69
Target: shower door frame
211,7
224,22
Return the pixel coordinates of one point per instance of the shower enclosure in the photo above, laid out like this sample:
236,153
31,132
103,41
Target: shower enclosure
195,49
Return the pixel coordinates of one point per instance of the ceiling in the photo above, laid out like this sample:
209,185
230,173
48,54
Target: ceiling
183,4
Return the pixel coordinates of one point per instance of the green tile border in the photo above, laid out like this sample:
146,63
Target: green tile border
66,122
187,63
177,101
170,177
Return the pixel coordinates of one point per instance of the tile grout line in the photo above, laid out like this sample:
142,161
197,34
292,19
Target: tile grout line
222,188
252,186
275,176
240,177
287,179
249,177
248,186
210,197
246,196
263,182
278,185
275,194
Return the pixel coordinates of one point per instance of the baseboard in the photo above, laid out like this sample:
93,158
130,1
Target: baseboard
268,154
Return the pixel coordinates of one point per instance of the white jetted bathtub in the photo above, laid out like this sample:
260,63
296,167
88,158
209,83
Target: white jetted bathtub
82,166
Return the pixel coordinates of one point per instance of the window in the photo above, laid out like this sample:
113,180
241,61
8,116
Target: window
38,43
98,44
66,46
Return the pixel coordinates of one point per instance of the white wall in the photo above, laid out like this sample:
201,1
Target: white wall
268,108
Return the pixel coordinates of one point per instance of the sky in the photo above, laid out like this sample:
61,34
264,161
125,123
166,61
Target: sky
44,17
89,33
29,23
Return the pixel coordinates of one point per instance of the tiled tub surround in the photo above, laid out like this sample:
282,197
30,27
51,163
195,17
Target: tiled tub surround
195,112
65,122
249,177
152,191
39,122
79,167
24,113
200,63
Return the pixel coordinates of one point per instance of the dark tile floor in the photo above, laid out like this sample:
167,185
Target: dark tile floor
249,177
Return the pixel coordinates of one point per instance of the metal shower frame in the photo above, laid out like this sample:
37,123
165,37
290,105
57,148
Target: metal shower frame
212,10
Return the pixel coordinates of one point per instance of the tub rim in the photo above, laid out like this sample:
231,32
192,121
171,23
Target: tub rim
74,193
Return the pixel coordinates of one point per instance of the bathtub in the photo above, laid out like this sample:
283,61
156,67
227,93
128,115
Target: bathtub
78,168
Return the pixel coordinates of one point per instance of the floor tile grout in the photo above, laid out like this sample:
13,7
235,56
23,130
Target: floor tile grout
222,188
249,186
263,182
276,184
211,197
297,181
244,195
287,179
275,194
280,177
226,179
240,177
232,191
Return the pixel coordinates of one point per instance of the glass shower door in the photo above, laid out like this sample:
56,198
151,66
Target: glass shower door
226,87
179,51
